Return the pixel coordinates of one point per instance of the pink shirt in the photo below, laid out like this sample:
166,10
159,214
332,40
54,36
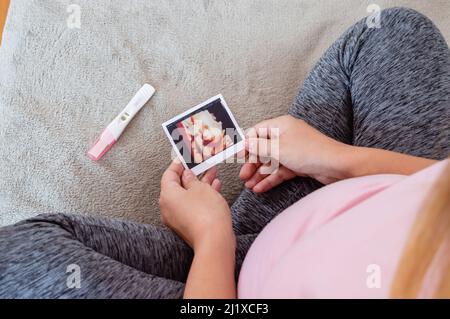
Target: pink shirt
342,241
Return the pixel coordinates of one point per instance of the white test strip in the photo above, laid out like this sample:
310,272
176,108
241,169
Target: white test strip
113,131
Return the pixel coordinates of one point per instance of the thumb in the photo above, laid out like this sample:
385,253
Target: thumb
189,179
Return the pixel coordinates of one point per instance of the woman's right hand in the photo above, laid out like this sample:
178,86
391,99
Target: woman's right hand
194,208
296,149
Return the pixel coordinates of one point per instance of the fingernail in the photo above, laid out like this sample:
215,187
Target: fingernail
257,189
187,175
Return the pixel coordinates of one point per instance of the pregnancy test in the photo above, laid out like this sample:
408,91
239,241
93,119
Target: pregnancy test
113,131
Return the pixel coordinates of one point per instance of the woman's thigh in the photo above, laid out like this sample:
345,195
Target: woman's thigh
400,86
50,256
386,87
42,257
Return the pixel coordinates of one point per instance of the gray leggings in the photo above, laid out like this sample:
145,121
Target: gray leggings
386,88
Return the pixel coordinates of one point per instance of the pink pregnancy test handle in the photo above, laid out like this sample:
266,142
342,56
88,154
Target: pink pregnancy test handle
101,146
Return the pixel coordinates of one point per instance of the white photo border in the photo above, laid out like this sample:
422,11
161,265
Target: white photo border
218,158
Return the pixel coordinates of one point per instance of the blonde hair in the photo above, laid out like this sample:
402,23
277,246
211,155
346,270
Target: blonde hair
430,232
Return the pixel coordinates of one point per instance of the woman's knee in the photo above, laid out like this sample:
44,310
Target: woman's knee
407,26
399,16
45,221
392,25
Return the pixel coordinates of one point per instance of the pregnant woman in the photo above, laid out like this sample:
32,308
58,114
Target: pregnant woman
372,120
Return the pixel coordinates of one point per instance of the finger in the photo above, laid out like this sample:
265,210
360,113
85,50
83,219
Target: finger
217,185
264,124
263,172
189,179
255,179
241,154
281,175
267,128
209,176
251,134
260,147
247,170
172,175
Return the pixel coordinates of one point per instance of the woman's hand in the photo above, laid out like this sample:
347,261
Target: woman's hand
194,208
296,148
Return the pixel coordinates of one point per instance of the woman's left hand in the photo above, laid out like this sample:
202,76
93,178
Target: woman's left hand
194,208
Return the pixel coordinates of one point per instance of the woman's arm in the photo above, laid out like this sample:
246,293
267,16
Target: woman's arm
212,270
362,161
196,211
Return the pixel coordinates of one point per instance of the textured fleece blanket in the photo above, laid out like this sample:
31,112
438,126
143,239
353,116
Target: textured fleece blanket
60,85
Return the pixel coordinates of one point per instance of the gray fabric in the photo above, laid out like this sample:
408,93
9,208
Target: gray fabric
392,82
60,87
117,259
